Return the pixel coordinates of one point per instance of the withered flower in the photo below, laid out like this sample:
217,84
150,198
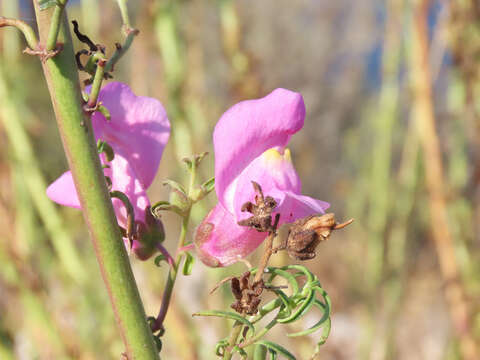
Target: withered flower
305,234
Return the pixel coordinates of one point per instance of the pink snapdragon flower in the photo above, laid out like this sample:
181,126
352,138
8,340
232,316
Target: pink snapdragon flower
138,131
250,142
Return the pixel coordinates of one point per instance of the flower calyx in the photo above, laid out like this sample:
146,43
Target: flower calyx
305,234
261,219
247,293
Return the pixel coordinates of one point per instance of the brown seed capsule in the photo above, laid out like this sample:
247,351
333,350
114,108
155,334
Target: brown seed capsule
261,219
305,234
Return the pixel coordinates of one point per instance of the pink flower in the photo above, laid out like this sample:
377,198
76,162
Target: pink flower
137,132
250,142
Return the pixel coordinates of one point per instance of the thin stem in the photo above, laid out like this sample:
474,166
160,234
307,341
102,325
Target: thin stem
172,276
172,273
122,4
232,340
77,136
26,30
265,257
260,334
55,25
121,49
97,83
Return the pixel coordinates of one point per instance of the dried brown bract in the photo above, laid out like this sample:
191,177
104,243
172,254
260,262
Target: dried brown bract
247,294
261,211
305,234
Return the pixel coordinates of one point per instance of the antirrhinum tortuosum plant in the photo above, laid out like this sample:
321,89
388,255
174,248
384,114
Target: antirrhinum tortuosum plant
56,52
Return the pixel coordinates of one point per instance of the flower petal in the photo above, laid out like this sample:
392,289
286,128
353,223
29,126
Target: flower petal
124,178
296,206
220,241
251,127
274,172
139,127
63,191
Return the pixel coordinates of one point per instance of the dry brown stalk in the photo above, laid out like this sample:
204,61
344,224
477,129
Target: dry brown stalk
423,115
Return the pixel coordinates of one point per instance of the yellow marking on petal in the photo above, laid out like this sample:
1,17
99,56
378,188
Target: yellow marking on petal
273,155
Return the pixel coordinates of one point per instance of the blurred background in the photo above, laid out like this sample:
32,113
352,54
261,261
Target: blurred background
391,139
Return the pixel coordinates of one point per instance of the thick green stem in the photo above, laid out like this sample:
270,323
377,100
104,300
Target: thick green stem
77,137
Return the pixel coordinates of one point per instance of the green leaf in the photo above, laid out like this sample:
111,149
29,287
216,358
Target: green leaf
303,270
208,185
272,347
175,185
104,111
45,4
273,354
220,347
158,206
286,275
260,352
305,304
227,315
104,147
319,324
188,264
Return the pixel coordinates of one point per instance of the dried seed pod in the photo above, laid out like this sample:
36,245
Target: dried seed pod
261,219
305,234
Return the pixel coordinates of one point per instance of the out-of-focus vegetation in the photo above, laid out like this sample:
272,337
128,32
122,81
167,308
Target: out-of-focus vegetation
392,138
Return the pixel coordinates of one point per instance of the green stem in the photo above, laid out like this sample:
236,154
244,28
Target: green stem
172,273
77,137
97,83
172,276
121,49
26,30
55,25
232,340
122,4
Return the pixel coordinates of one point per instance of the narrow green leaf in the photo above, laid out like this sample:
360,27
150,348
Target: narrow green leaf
158,206
305,304
286,275
303,270
104,147
271,346
174,185
228,315
104,111
208,185
220,347
260,352
188,264
273,354
319,324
